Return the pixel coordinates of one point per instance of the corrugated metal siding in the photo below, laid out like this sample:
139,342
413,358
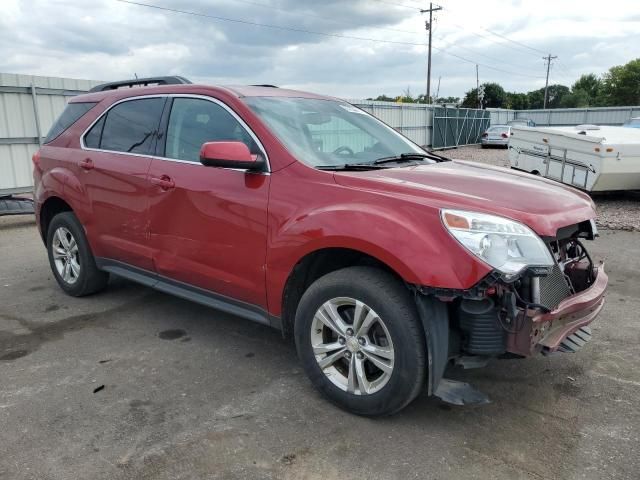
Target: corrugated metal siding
569,116
18,132
15,166
500,116
411,119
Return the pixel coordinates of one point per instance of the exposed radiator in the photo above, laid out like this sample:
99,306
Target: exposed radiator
554,288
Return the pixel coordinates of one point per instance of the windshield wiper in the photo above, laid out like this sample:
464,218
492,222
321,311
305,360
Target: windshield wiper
403,157
410,157
350,166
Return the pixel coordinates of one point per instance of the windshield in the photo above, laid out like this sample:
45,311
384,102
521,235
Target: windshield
498,130
328,132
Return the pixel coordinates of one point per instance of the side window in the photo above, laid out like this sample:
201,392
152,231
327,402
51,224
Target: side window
194,121
131,126
70,115
92,138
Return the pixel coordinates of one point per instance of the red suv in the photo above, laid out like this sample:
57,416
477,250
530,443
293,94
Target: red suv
384,262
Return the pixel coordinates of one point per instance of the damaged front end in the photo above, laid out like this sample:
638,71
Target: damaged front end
539,310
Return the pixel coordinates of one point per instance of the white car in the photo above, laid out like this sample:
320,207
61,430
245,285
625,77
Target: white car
497,135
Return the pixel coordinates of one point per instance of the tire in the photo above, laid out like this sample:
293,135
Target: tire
74,267
397,333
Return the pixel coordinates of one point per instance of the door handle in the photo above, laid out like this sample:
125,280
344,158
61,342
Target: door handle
87,164
164,182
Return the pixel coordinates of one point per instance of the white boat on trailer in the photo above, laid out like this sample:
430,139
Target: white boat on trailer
589,157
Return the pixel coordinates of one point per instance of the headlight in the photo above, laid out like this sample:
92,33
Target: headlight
506,245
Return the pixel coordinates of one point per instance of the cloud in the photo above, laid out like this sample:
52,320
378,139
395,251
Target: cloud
107,39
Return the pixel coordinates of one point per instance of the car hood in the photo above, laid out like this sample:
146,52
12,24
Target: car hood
542,204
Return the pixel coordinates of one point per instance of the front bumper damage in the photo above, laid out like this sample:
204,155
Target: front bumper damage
544,332
495,319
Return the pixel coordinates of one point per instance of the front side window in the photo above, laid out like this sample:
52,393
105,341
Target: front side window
194,121
70,115
130,127
328,132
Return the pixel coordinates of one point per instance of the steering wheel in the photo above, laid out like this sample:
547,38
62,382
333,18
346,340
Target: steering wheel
342,150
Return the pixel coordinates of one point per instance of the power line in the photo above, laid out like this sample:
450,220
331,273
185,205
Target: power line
512,41
312,32
479,35
475,52
329,19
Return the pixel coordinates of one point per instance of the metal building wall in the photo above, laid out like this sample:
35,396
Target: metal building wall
559,117
500,116
413,120
21,130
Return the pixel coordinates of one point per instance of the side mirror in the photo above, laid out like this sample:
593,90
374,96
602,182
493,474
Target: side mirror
229,155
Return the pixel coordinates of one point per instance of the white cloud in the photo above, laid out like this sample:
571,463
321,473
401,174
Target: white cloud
107,39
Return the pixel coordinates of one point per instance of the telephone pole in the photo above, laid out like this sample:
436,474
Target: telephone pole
429,26
548,58
478,87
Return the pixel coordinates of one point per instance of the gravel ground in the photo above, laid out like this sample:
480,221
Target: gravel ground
619,211
135,384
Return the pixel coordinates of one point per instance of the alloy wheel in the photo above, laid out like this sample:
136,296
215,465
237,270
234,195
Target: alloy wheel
352,346
66,255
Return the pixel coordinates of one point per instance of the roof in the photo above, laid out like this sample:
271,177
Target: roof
606,135
235,90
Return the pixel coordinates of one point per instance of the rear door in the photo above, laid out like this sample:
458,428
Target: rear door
208,225
114,166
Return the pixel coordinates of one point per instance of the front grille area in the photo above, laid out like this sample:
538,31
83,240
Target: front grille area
554,288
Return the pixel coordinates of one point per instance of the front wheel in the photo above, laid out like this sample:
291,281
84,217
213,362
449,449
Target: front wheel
360,341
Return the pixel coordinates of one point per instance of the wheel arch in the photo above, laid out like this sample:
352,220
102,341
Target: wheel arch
316,264
50,208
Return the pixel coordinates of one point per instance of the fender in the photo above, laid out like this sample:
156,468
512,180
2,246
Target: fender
419,256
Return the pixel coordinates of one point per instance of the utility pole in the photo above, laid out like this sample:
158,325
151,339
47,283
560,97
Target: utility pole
429,26
546,84
478,87
438,89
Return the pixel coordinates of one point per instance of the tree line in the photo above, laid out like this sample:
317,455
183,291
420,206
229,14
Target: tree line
619,86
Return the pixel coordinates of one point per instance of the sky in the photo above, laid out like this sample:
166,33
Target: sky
360,48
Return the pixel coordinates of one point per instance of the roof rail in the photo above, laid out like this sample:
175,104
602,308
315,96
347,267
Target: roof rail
140,82
264,85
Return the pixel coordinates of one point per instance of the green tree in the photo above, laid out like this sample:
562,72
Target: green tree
494,97
517,101
554,96
383,98
449,100
588,87
621,84
576,99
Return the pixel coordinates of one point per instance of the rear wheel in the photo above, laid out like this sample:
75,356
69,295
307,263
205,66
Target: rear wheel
70,257
360,341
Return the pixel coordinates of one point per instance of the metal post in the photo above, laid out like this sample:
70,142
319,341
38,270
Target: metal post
34,99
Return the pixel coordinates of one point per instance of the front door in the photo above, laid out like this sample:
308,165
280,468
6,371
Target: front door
113,171
208,225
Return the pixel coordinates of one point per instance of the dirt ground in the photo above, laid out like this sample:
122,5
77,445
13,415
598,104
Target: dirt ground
619,211
135,384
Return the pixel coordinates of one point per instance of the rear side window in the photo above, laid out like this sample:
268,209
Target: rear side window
129,127
70,115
